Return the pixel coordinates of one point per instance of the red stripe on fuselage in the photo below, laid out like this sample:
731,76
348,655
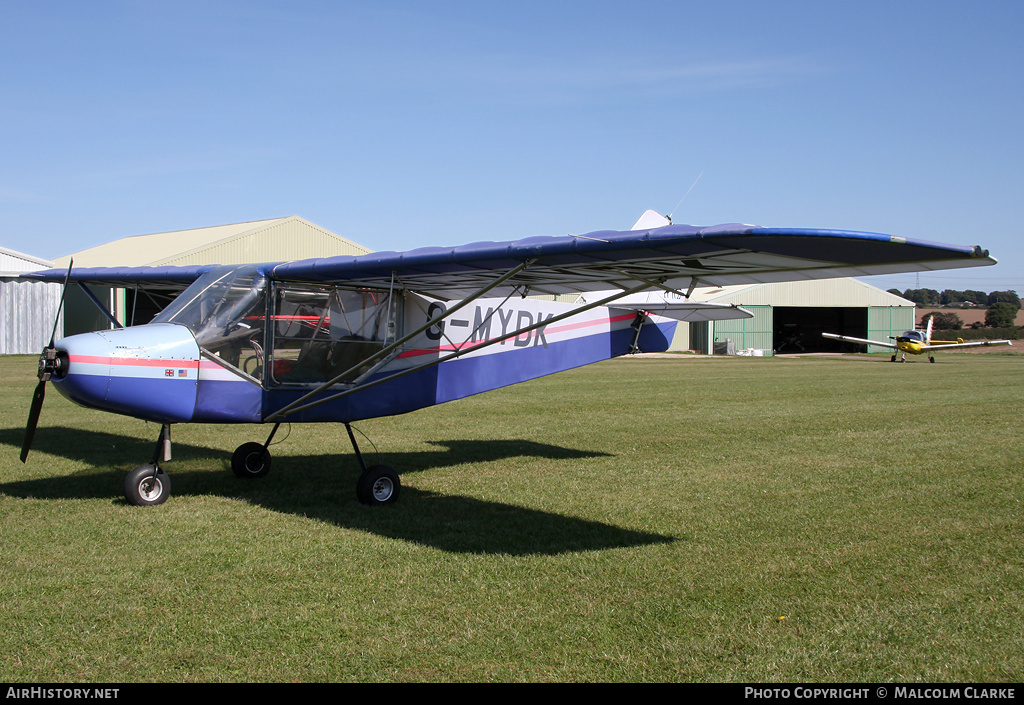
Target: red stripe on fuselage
469,345
131,361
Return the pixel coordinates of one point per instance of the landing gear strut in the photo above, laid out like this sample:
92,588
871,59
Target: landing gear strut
148,485
378,484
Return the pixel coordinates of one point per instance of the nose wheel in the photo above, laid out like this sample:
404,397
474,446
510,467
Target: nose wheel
148,485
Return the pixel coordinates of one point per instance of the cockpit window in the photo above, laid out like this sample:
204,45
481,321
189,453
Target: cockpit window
308,334
323,332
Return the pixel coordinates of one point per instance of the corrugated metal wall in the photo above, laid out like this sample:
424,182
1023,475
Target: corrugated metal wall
27,310
886,321
756,332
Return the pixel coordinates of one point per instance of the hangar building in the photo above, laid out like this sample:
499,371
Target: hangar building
27,308
789,317
274,240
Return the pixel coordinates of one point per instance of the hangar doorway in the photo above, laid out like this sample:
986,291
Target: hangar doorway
142,306
798,329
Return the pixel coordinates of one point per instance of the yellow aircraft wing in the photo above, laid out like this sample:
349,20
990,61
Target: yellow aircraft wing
937,344
863,341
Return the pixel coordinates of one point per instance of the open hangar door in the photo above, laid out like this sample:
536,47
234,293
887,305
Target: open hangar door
798,329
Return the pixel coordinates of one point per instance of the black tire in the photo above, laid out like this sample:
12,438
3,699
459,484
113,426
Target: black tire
250,460
143,488
893,359
378,485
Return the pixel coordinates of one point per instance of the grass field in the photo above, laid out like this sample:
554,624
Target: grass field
677,519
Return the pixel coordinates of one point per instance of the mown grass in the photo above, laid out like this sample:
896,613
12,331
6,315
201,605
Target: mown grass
685,519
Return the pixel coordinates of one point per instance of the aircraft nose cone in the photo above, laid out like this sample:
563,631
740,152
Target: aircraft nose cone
149,372
53,362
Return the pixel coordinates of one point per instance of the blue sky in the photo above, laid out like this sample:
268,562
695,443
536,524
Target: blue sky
405,124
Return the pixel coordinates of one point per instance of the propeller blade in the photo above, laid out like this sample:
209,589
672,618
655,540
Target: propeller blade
47,364
33,418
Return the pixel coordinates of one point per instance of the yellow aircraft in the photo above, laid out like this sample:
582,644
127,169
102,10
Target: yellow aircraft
917,342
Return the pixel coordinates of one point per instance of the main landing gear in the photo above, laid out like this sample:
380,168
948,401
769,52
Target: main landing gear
252,460
149,485
931,358
378,484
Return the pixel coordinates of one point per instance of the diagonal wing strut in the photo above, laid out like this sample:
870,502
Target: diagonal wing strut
301,405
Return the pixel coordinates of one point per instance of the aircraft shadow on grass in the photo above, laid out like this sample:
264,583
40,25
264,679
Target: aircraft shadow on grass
319,486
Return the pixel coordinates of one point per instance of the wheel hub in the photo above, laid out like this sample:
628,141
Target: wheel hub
382,489
150,488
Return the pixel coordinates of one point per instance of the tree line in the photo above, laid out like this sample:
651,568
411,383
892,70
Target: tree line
949,297
1002,305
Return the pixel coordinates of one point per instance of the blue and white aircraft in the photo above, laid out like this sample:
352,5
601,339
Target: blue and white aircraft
340,339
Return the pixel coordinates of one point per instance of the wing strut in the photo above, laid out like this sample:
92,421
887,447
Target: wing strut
296,405
300,405
658,285
96,302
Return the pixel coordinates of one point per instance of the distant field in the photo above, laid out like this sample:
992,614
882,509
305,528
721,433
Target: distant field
672,519
967,315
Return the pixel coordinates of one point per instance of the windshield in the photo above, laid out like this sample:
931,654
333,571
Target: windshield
314,333
224,309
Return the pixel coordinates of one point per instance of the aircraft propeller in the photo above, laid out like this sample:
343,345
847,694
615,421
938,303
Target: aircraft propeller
51,362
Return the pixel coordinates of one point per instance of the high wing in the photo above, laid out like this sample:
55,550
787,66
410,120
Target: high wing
166,280
863,341
676,257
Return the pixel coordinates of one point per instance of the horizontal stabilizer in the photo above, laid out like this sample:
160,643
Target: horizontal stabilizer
689,312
